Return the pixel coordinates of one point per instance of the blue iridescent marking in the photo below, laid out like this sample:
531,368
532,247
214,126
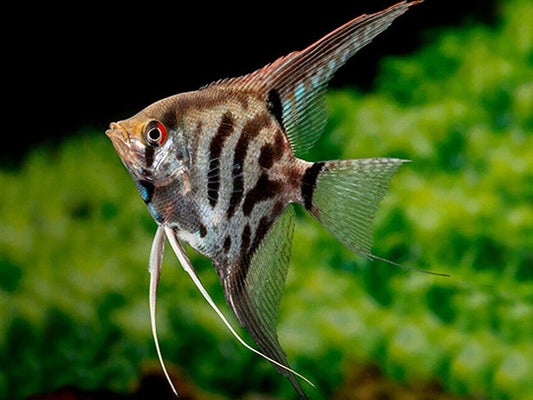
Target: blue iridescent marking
146,190
331,65
154,213
287,105
299,91
316,79
143,192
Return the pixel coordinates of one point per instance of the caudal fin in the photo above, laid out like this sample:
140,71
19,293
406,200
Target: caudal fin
344,196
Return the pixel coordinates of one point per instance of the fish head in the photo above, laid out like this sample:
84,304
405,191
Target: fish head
149,148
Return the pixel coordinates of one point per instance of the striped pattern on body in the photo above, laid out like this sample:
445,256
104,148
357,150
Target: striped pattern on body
243,173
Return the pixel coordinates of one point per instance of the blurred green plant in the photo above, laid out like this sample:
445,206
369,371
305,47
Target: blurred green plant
75,239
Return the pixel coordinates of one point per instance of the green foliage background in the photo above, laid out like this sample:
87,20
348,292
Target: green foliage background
75,239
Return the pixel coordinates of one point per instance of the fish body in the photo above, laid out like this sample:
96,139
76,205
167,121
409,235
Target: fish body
236,174
220,169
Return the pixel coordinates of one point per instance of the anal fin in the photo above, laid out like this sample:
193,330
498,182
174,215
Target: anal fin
187,266
253,287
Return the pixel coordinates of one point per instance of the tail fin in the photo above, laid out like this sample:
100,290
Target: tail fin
344,196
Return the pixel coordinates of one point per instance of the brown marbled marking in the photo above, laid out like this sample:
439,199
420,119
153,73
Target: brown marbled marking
262,229
264,189
203,230
266,156
293,176
245,240
227,244
278,208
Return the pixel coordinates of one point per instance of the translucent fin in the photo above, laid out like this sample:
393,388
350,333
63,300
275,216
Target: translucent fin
187,266
373,257
268,268
254,285
345,200
156,258
347,196
295,85
302,77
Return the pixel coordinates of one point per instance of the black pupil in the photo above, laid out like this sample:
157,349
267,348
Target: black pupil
154,134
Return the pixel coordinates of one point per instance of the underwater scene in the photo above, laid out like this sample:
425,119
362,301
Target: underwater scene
75,241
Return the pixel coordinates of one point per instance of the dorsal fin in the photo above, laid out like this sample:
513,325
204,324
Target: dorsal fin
295,85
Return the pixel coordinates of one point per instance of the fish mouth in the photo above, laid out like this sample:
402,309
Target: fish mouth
120,138
126,149
116,133
119,134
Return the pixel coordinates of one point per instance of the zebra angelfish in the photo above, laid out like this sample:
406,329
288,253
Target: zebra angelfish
218,169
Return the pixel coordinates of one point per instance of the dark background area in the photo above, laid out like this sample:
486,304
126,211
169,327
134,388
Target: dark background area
85,66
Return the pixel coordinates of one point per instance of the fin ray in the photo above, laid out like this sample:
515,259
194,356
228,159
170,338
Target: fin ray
187,266
254,285
358,186
300,78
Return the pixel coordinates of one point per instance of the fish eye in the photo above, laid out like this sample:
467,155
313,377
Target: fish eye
155,133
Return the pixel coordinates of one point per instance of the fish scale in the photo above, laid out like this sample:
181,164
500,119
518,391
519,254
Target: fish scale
220,169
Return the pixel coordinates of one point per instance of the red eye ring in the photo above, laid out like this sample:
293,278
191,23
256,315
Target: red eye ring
155,133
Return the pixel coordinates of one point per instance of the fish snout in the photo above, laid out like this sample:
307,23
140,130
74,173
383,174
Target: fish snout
116,131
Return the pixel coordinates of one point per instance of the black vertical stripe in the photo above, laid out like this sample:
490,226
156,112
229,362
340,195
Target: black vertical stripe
170,118
266,157
248,248
215,149
203,230
146,190
272,152
227,243
275,107
264,189
238,187
149,155
260,233
245,241
309,183
251,129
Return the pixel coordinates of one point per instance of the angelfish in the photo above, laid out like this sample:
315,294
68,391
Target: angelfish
217,168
